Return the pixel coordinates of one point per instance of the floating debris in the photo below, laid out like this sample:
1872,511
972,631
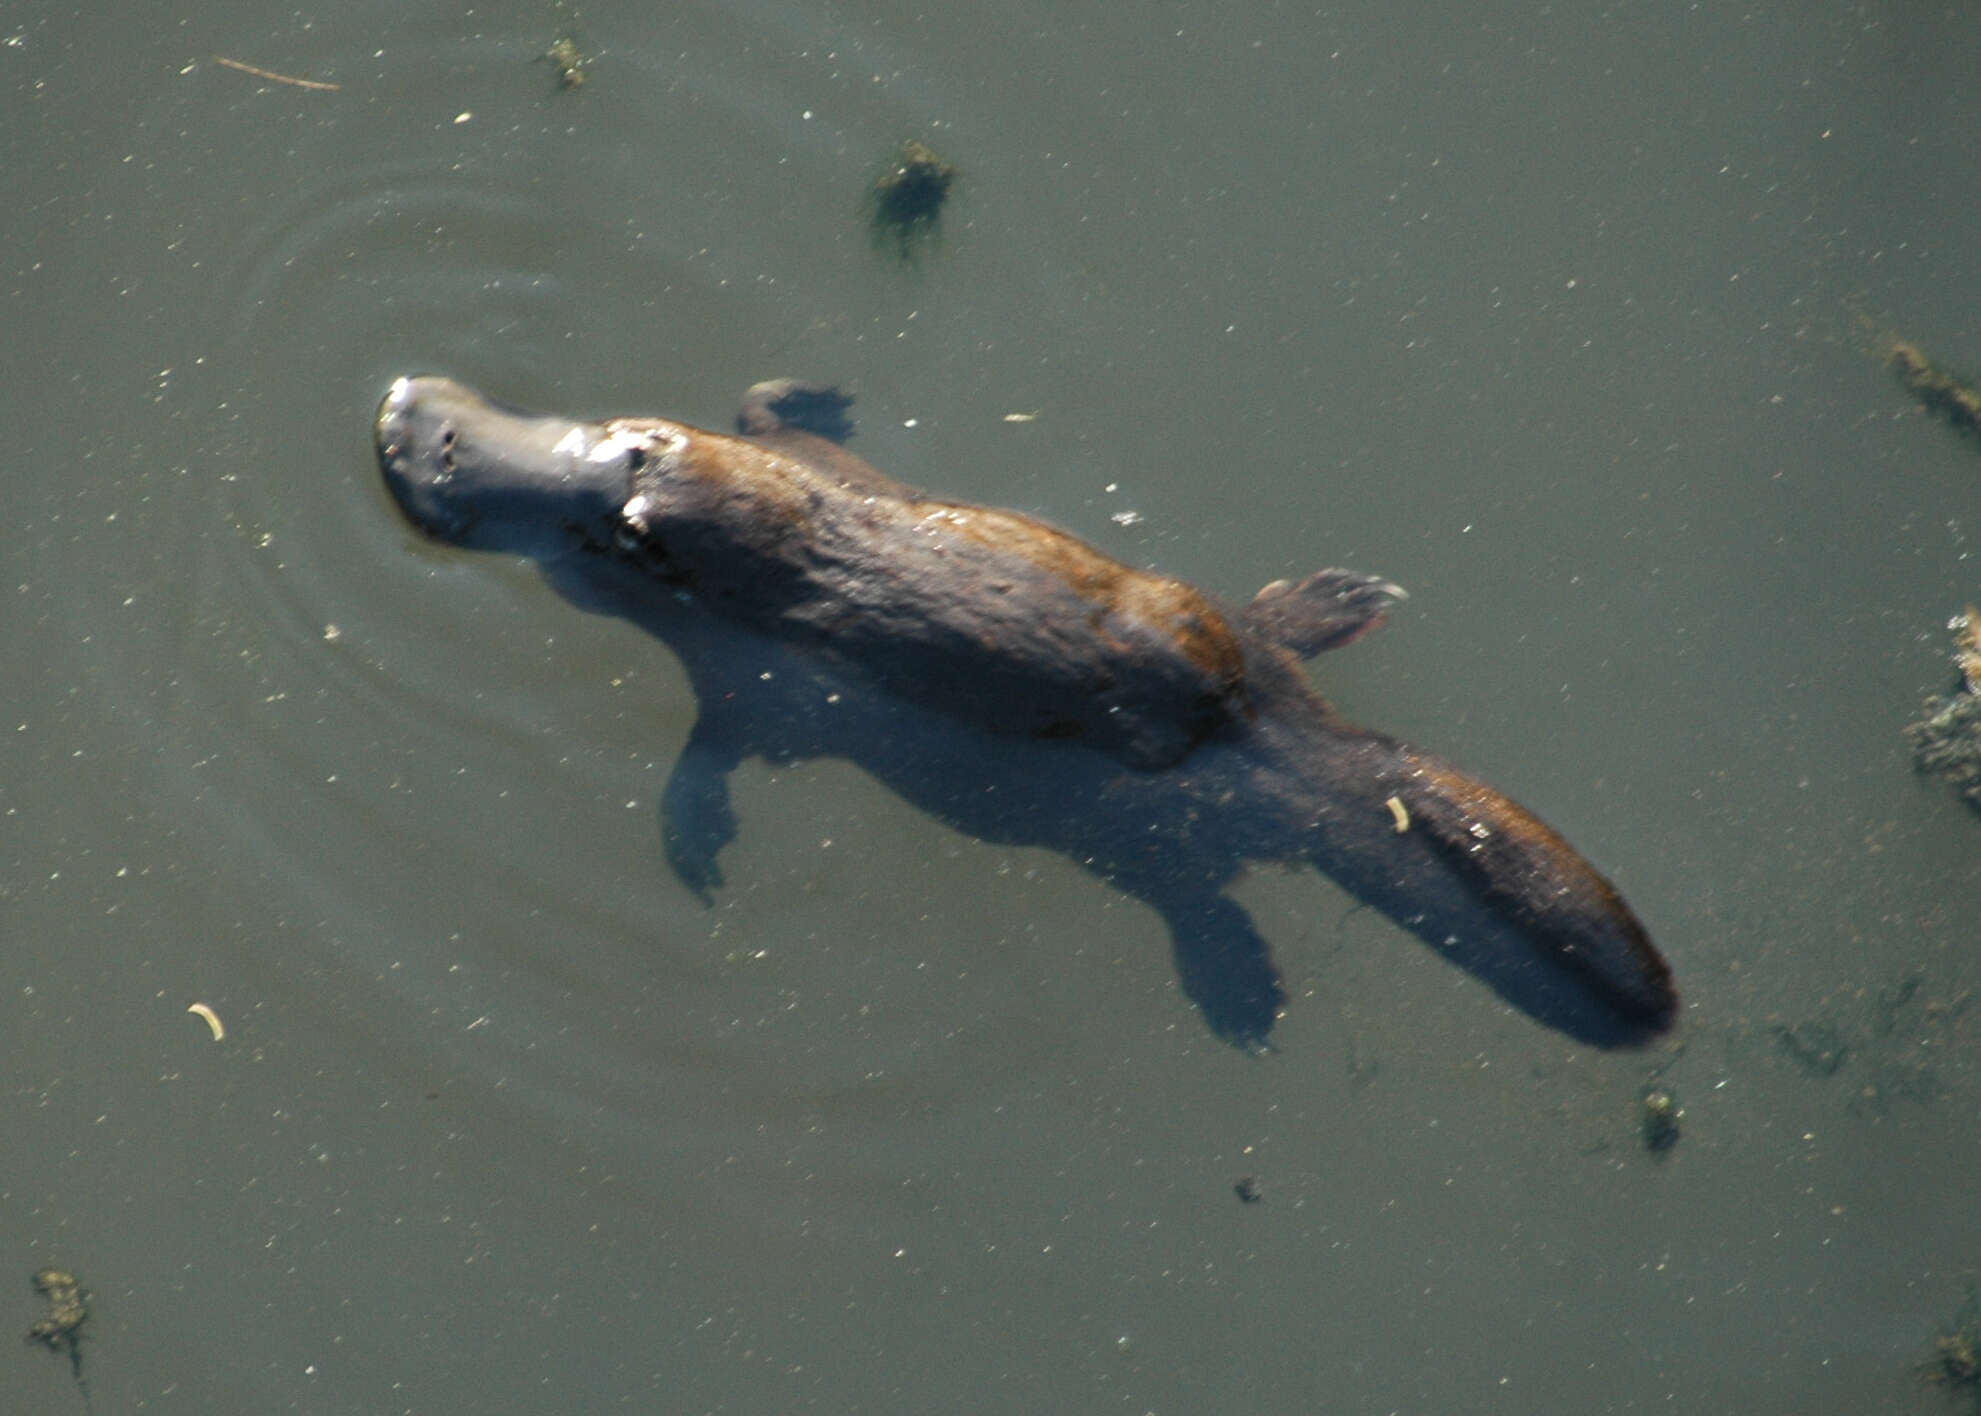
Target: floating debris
273,77
65,1310
1956,1362
1937,391
570,64
211,1019
1659,1115
1947,741
61,1330
564,55
1967,648
904,208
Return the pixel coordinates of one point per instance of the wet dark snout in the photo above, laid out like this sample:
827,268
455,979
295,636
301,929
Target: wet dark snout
471,472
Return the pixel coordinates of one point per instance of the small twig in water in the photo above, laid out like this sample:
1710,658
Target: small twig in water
272,77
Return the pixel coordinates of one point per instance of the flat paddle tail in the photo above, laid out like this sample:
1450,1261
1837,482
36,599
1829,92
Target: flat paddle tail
1519,864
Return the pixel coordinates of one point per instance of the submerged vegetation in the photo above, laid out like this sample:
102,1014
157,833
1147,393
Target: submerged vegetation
1939,392
1956,1363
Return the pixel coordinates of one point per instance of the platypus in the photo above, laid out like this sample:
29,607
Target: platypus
1022,686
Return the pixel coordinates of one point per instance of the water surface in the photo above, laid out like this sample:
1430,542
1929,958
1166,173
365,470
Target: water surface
1566,321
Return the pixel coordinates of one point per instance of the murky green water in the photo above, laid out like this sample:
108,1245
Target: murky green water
1566,321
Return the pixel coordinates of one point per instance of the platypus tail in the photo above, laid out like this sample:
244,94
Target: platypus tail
1521,866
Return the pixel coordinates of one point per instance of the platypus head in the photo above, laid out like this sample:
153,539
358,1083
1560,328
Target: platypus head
474,473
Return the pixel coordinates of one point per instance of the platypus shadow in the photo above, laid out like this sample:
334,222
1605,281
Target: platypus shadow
1021,688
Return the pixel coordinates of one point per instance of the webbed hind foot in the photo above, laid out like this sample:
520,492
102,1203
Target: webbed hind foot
1328,609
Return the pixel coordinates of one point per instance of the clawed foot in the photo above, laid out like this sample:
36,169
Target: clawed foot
1328,609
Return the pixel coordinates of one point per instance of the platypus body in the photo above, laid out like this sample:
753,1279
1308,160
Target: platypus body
1022,686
